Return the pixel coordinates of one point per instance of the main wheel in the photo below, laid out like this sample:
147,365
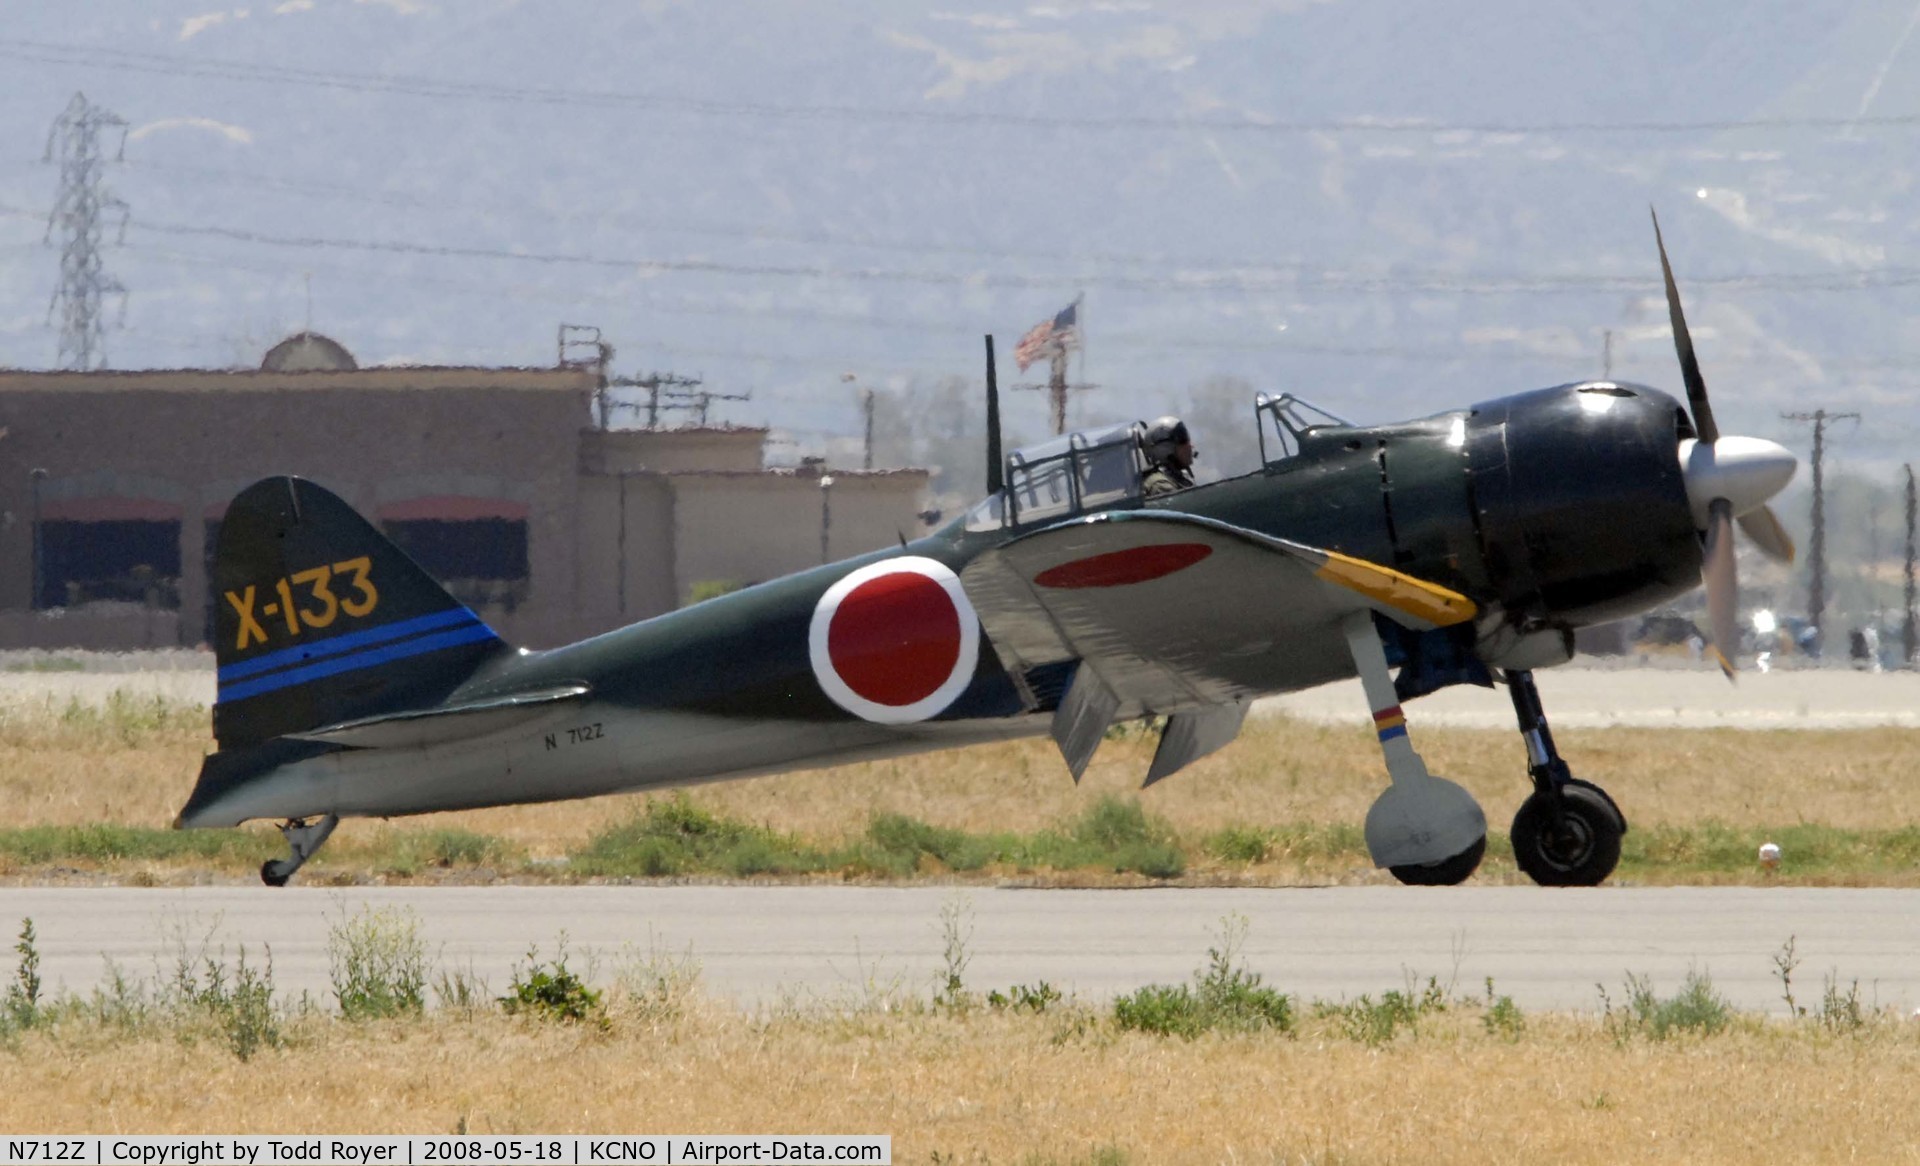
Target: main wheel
270,877
1448,872
1577,847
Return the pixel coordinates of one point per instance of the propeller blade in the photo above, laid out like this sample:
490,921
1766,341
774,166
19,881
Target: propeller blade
1763,527
1723,585
1703,423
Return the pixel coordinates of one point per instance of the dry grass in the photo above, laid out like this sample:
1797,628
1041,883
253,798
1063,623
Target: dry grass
989,1087
63,770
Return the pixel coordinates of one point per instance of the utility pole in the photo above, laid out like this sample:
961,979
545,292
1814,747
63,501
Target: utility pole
1058,387
84,201
866,406
1907,628
1817,551
580,346
1606,355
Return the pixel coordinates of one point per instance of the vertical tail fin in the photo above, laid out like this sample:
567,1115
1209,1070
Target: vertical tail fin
321,619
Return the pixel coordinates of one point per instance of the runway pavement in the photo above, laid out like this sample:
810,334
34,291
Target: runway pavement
759,944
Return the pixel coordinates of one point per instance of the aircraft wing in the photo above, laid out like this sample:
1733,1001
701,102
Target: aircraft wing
1174,613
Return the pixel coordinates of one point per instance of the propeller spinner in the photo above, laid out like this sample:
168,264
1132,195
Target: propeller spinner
1729,480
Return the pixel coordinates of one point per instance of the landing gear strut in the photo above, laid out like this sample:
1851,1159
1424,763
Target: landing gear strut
304,836
1568,831
1424,829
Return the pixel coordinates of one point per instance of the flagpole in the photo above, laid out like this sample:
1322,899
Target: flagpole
1057,389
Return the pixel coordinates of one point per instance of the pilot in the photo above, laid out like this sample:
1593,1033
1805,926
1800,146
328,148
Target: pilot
1170,457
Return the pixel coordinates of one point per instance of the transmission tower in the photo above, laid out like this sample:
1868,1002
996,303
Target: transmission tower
1817,551
83,204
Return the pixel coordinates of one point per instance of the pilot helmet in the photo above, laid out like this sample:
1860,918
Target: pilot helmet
1161,437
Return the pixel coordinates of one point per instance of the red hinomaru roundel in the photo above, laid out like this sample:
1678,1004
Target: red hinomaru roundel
895,641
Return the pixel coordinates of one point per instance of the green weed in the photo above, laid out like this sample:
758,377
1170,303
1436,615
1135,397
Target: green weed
106,842
459,990
1696,1008
237,1002
1224,996
378,964
551,991
956,931
1840,1008
901,841
673,836
1021,998
1113,833
21,1006
657,988
409,852
1502,1017
1377,1022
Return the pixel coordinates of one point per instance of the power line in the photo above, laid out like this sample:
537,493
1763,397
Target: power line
84,200
1253,278
279,74
1292,276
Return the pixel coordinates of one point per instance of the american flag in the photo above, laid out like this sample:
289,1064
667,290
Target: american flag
1060,334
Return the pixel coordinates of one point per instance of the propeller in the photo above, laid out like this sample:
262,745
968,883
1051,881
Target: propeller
1729,480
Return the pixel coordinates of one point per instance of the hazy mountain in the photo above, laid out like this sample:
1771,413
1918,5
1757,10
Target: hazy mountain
772,195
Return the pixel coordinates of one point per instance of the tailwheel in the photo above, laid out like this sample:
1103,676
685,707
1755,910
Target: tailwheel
1568,839
1448,872
304,836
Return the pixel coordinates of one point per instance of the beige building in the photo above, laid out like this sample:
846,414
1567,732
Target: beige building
113,485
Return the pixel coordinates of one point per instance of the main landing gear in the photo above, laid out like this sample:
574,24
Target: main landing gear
1424,829
1427,831
304,836
1568,831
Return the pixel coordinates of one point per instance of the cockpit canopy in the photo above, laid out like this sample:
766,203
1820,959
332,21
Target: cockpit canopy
1292,420
1088,469
1092,469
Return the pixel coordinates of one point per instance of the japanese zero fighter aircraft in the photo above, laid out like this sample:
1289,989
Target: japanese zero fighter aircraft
1466,547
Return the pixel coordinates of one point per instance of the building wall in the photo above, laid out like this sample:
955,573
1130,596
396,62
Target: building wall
671,451
774,521
620,525
626,549
188,442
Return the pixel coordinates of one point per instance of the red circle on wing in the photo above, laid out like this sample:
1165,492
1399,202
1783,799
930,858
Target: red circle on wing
895,639
1118,568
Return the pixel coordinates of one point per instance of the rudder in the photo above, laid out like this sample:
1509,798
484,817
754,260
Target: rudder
320,618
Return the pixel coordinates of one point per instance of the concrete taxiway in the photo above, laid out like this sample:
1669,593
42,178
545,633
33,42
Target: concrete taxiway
759,944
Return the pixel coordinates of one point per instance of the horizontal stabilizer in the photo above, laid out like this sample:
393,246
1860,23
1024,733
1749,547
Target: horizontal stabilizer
418,728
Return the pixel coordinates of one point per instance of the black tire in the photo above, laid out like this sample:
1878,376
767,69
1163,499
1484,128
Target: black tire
268,877
1619,819
1578,847
1448,872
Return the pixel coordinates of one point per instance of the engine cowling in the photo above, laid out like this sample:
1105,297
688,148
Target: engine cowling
1582,511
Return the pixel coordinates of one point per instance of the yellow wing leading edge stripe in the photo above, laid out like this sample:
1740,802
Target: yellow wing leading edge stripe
1384,585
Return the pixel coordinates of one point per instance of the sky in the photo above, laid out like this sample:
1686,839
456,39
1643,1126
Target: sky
1391,208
